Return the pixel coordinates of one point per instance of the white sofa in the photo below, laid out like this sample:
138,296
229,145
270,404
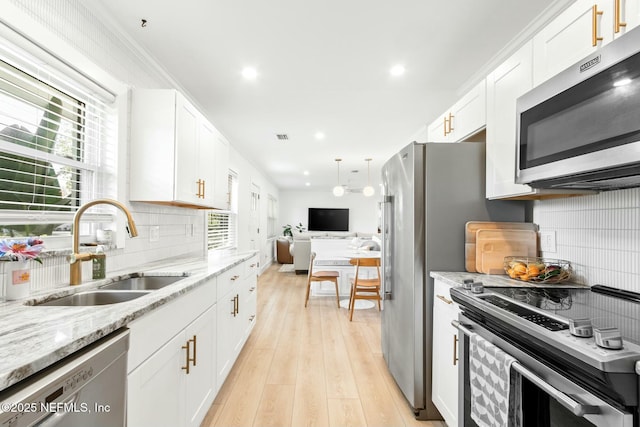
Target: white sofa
302,245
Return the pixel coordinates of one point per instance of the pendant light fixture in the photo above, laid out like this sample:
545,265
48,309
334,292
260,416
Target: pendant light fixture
338,190
368,191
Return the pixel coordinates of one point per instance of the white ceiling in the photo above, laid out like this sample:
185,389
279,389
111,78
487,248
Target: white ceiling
322,66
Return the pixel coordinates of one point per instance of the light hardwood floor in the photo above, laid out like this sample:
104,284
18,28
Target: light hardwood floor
309,366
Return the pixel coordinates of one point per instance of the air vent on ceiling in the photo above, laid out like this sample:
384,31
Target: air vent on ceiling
282,136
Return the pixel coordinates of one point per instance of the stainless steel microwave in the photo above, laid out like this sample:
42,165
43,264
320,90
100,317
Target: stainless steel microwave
581,128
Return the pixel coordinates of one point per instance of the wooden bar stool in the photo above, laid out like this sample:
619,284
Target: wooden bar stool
364,288
321,276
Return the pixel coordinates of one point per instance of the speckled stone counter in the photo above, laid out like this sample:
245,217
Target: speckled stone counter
455,278
34,337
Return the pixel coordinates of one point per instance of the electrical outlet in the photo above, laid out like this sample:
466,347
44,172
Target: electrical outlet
548,241
154,233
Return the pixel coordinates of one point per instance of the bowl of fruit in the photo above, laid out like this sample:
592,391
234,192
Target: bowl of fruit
537,270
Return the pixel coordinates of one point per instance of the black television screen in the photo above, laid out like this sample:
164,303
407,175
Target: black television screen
328,219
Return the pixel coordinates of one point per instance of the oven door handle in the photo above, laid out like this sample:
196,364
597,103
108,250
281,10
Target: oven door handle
577,408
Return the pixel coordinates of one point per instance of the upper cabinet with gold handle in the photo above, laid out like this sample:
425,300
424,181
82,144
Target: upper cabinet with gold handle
575,34
170,133
469,113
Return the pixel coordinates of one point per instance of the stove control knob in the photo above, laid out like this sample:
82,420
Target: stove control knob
609,338
477,287
581,328
467,283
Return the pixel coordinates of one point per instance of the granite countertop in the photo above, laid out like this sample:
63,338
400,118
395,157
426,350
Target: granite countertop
456,278
34,337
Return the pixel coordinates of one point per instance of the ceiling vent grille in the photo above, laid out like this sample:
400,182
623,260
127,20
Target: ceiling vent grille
282,136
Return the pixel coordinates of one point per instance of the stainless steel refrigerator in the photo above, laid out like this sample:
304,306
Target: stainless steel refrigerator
429,192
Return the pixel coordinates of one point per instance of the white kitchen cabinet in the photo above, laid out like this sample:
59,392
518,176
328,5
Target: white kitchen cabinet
221,172
237,305
466,117
627,16
571,36
445,354
504,85
176,385
172,151
159,389
437,130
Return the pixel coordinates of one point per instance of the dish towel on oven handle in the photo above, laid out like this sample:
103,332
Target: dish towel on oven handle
495,393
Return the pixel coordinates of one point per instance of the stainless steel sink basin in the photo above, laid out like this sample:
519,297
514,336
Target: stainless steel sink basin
142,283
96,298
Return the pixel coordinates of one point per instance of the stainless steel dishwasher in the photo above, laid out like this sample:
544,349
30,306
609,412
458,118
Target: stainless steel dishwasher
87,388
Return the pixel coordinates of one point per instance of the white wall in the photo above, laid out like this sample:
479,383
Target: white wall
363,211
599,234
248,174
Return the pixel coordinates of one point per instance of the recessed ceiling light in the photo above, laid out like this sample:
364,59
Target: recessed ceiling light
397,70
305,173
308,184
319,135
249,73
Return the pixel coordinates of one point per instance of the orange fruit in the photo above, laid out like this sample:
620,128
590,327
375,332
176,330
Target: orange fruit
519,269
533,270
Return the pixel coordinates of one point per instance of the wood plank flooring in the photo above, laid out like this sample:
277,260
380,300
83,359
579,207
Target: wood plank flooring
309,366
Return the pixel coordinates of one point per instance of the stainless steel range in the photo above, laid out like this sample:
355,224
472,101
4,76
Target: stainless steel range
578,351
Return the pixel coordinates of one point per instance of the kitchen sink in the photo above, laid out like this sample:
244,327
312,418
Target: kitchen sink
142,283
95,298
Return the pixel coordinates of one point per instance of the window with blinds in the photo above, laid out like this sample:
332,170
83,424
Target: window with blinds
57,151
222,225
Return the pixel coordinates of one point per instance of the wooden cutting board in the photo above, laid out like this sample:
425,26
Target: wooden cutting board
472,227
493,245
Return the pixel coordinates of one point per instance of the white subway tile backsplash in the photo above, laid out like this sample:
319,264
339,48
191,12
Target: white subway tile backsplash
599,234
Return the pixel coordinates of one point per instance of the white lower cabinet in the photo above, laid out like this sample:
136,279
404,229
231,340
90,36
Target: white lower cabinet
445,354
175,385
236,314
181,353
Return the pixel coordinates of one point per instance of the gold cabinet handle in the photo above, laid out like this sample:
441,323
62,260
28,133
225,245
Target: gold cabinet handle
451,116
445,299
195,350
617,12
233,310
204,183
594,25
234,278
445,126
251,289
237,304
186,366
200,193
252,265
455,350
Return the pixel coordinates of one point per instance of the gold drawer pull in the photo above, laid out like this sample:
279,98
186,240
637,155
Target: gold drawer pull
445,299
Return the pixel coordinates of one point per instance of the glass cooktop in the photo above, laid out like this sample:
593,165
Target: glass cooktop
606,307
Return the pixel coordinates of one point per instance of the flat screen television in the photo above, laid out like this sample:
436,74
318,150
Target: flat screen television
328,219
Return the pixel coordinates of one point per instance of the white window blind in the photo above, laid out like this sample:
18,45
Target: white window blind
57,149
222,225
